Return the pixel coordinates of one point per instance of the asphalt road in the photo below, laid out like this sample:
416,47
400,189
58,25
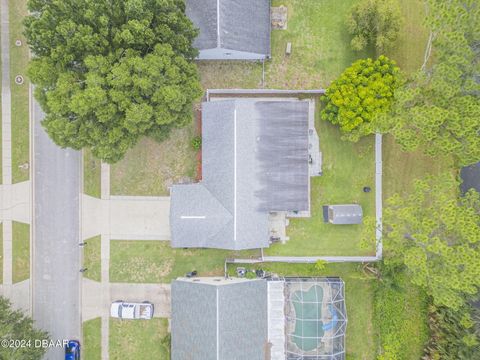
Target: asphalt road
56,254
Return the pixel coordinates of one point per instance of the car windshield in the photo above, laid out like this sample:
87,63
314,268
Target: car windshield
71,349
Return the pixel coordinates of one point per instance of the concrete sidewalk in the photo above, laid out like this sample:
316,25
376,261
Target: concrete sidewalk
126,217
96,304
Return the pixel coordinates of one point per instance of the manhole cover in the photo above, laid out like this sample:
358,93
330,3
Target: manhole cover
18,42
19,79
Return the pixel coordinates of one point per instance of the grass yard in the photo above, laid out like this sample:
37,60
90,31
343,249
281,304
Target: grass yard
410,45
20,103
139,339
151,167
230,74
347,168
91,174
359,298
320,45
153,261
92,338
20,251
91,258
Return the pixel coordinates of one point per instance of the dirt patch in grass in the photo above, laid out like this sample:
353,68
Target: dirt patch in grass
150,168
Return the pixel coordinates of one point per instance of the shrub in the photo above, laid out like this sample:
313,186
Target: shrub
196,143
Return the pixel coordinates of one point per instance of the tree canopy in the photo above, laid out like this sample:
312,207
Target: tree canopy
361,93
438,110
14,325
435,236
374,23
108,72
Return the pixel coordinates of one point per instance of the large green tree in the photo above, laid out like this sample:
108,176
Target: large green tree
364,91
438,110
374,23
14,325
108,72
435,236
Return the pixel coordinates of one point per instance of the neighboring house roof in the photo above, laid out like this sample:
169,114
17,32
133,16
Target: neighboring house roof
345,214
219,319
470,178
242,25
254,161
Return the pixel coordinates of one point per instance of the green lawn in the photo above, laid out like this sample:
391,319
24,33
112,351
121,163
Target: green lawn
347,168
151,167
20,251
147,339
91,258
410,45
92,338
320,45
91,174
152,261
20,103
359,298
230,74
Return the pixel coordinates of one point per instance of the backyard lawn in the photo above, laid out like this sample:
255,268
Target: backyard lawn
154,261
91,258
347,168
139,339
20,110
92,338
1,253
151,167
320,45
359,292
20,251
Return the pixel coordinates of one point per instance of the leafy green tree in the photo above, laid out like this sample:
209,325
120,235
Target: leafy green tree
374,23
109,72
361,93
14,325
435,236
438,110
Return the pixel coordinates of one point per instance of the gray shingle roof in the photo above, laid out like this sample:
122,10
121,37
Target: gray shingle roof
254,160
224,322
345,214
242,25
470,177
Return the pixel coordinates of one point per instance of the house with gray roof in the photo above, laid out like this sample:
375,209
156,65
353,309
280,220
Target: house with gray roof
255,161
217,318
231,29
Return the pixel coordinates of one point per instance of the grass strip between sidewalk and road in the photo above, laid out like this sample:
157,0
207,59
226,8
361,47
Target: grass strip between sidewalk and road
92,339
19,57
20,251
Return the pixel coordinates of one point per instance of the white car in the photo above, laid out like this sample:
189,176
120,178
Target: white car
125,310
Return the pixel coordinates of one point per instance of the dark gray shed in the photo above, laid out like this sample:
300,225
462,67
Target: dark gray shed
219,319
231,29
345,214
254,161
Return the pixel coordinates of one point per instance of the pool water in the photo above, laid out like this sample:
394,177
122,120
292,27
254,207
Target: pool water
308,312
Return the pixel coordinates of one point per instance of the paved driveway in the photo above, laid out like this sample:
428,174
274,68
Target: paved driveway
56,254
